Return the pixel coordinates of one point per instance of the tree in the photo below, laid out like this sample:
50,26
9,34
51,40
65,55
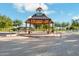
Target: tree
74,25
17,23
57,24
62,24
5,22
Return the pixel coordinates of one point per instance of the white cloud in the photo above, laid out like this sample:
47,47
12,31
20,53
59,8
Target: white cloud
50,12
75,17
29,16
19,7
29,6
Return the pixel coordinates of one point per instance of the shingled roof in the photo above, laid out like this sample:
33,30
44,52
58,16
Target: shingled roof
39,16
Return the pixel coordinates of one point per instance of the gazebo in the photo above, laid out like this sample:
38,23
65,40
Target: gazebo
39,18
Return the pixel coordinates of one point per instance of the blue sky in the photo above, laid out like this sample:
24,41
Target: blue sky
59,12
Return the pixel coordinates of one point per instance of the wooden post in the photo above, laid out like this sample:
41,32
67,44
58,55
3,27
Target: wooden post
29,28
48,31
26,28
52,28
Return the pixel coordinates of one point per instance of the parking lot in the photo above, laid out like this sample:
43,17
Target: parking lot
67,45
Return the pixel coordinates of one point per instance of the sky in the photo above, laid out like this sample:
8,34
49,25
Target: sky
59,12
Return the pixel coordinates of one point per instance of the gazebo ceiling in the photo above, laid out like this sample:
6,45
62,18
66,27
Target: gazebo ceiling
39,21
34,21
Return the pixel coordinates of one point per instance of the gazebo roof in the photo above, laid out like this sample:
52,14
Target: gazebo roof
39,8
39,16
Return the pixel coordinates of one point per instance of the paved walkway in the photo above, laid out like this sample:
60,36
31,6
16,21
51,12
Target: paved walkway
67,45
